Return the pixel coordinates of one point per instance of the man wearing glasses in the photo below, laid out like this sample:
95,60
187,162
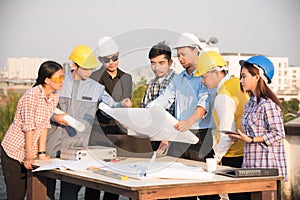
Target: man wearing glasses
118,84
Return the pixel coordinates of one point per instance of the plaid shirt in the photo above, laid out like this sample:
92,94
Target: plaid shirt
154,89
33,113
265,120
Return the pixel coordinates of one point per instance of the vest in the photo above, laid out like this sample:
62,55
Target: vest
232,89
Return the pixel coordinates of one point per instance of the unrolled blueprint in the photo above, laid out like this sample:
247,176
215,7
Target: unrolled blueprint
155,123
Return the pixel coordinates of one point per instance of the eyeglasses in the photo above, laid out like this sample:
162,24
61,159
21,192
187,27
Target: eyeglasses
114,58
58,79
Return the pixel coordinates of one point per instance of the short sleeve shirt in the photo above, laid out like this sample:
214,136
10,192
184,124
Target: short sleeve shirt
33,113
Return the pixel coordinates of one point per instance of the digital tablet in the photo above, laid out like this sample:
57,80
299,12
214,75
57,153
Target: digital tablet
228,132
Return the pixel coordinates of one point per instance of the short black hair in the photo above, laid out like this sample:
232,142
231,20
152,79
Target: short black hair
160,48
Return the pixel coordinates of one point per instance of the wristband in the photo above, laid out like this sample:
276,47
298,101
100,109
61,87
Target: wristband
252,139
41,152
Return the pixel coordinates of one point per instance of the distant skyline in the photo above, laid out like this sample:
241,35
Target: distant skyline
51,29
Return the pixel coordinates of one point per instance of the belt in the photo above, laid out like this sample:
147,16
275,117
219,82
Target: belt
111,123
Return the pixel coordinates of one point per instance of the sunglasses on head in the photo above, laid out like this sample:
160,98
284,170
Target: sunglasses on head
108,59
57,79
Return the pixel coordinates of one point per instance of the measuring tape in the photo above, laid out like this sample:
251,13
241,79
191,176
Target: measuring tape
108,173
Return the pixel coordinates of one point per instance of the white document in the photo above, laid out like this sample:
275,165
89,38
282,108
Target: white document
139,170
72,165
155,123
166,170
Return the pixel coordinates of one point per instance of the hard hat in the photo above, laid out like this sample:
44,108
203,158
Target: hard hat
107,46
188,40
207,61
84,57
262,62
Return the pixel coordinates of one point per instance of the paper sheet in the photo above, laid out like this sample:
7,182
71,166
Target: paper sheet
155,123
72,165
138,170
168,170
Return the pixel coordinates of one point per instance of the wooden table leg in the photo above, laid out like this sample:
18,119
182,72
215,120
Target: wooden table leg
36,187
264,195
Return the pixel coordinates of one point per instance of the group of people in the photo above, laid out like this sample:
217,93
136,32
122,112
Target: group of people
237,120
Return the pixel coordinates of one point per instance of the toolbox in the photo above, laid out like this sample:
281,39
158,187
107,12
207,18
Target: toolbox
88,153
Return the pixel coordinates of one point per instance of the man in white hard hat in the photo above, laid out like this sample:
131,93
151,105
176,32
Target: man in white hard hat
191,101
118,84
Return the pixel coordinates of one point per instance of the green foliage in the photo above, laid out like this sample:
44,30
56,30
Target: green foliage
290,109
138,92
7,112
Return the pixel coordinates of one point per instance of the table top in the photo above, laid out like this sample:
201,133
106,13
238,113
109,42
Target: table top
149,182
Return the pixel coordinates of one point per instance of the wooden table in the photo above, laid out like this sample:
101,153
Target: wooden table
266,188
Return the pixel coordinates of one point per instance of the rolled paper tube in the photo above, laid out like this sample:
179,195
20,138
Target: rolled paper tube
71,121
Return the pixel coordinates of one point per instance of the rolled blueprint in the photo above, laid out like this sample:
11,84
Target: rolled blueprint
71,121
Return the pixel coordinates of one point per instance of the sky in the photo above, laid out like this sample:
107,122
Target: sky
51,29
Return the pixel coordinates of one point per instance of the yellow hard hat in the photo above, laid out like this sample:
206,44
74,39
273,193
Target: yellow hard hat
84,57
207,61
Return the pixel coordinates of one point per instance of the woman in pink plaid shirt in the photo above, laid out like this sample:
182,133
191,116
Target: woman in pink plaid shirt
25,139
263,129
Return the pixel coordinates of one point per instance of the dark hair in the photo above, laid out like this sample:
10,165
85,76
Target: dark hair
46,70
160,48
262,90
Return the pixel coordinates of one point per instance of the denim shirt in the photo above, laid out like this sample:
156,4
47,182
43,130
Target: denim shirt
188,92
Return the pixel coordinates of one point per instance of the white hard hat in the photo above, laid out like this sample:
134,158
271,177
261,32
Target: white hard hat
107,46
188,40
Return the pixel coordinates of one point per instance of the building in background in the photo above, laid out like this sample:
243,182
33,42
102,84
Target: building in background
20,73
23,68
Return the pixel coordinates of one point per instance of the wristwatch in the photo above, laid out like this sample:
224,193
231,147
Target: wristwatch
252,139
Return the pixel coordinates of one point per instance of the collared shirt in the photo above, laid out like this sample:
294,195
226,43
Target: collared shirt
119,87
156,88
33,113
228,110
264,119
188,92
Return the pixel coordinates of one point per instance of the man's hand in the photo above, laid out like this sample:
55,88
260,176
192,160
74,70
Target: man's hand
163,148
183,125
126,103
59,119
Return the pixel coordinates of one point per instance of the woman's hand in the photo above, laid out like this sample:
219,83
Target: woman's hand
239,136
28,162
44,157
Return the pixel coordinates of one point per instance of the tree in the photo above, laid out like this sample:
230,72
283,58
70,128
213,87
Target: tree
138,92
7,112
290,109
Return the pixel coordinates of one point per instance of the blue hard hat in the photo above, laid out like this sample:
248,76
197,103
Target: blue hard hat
262,62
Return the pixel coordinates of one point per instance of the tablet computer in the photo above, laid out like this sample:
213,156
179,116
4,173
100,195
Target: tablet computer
228,131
